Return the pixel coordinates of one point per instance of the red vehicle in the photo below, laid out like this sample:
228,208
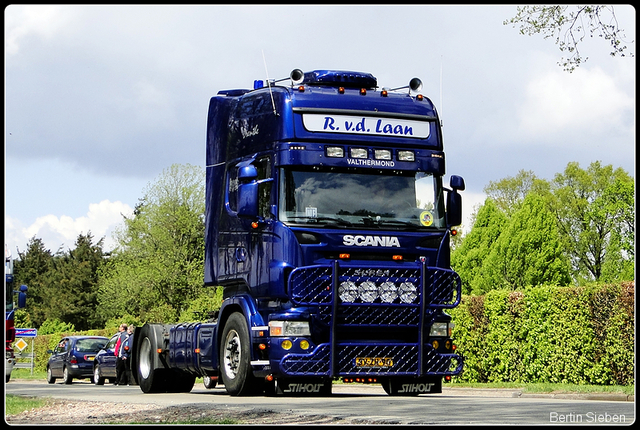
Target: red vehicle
10,314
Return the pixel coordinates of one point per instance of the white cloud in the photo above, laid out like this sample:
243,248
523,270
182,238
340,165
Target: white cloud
100,220
587,100
24,21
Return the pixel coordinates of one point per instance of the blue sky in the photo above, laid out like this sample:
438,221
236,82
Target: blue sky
100,99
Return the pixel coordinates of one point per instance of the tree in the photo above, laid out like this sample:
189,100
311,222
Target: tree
596,215
77,286
468,259
529,252
157,266
32,269
509,193
569,27
62,286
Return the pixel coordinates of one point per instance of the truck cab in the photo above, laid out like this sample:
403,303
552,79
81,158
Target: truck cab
327,224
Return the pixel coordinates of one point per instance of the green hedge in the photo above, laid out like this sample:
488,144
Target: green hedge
577,335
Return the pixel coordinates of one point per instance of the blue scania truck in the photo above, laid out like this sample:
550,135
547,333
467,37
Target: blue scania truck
328,227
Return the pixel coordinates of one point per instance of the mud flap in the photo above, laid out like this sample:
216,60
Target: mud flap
412,386
303,387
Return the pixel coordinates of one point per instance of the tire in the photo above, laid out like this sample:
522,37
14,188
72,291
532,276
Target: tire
97,379
235,357
50,378
150,379
209,382
66,378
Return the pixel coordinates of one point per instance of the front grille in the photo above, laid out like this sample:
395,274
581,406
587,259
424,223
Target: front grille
381,313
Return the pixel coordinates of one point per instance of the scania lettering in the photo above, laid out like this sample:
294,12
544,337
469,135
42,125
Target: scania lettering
327,226
387,241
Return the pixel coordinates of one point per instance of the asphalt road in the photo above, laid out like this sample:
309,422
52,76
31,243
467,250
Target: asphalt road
455,406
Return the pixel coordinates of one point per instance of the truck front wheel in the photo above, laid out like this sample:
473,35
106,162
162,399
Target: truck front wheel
235,357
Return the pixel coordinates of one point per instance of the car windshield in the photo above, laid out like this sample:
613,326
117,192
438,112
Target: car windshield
90,345
384,199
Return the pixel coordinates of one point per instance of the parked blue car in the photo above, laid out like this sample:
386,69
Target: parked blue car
104,365
73,358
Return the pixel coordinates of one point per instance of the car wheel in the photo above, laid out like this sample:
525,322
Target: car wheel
66,378
96,376
50,378
235,356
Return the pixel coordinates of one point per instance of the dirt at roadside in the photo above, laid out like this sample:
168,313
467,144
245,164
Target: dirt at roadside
80,412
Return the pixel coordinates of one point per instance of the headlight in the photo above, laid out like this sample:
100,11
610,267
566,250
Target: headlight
408,292
368,291
441,329
289,328
348,291
388,292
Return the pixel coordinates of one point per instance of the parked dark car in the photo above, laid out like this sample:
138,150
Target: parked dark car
104,365
73,358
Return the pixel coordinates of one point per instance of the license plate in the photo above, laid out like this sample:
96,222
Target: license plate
374,362
89,358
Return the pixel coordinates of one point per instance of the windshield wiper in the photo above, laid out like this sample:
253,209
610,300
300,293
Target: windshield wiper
313,220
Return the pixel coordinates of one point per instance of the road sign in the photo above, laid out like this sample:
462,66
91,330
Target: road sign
21,344
26,332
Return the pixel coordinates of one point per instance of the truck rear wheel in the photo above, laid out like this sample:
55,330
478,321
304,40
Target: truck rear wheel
151,380
235,357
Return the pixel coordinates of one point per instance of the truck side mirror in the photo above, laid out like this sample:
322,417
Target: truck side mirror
248,200
247,192
454,201
22,297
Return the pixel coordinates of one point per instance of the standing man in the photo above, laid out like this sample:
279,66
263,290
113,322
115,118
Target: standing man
120,365
128,345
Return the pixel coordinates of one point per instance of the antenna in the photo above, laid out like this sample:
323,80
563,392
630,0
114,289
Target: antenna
273,103
441,102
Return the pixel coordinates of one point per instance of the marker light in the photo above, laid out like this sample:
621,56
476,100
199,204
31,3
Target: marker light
304,344
335,151
359,153
363,91
384,93
341,90
406,156
345,256
286,344
382,154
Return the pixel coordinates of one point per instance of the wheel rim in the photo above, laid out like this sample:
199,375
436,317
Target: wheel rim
49,374
96,374
65,374
233,354
144,361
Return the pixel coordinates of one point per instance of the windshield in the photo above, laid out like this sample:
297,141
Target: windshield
380,199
